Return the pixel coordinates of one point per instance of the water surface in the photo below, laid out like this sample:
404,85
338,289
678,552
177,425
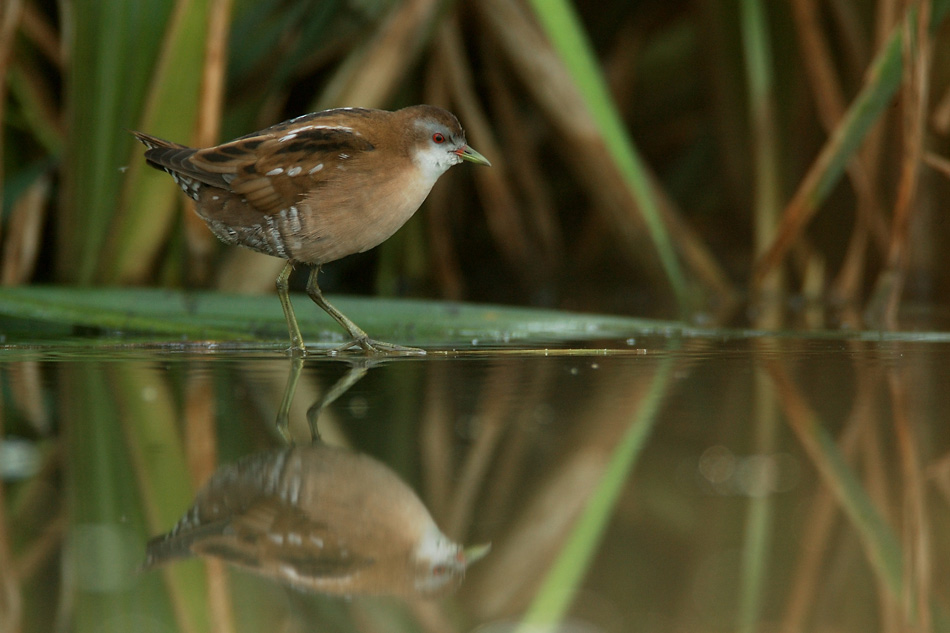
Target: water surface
662,484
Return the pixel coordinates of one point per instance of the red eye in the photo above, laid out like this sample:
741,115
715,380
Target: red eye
438,138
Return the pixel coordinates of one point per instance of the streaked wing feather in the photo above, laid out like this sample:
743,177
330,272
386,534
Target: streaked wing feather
269,167
273,535
278,164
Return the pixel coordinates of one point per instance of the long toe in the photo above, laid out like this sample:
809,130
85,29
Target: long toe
381,348
297,350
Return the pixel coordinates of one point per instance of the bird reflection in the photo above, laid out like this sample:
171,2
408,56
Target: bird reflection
321,518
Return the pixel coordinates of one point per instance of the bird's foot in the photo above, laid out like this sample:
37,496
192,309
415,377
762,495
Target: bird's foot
297,350
381,348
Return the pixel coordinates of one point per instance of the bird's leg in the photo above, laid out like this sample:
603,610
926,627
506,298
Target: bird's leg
283,414
283,293
360,338
356,371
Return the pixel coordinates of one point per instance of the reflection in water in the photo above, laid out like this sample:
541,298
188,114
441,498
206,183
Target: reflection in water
353,375
828,517
319,518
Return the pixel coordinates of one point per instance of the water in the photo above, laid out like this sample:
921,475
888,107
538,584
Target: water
663,484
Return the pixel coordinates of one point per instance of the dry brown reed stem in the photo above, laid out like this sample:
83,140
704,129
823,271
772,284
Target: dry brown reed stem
766,165
799,210
702,261
873,149
850,32
42,99
918,570
370,77
214,73
850,35
199,241
830,105
10,13
541,72
823,510
726,111
850,277
502,211
939,472
621,64
24,234
43,549
938,162
915,90
888,15
522,148
40,32
940,119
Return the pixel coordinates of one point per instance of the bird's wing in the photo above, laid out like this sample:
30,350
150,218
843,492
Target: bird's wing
276,165
278,538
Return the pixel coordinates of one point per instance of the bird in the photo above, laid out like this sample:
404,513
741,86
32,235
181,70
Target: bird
318,187
318,518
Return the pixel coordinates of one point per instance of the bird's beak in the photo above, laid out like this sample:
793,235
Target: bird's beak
467,153
475,552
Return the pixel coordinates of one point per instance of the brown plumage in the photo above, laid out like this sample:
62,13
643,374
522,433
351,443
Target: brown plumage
318,518
318,187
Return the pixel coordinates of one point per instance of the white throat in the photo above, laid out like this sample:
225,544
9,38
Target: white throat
435,546
434,161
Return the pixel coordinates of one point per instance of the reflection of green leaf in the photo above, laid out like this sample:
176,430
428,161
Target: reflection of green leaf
161,472
107,532
563,580
880,542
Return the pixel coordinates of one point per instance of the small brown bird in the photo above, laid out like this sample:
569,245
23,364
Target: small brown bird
317,188
319,518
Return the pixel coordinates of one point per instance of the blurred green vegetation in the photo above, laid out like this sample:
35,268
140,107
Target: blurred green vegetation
656,159
711,159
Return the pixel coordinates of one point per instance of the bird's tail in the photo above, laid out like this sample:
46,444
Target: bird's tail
153,142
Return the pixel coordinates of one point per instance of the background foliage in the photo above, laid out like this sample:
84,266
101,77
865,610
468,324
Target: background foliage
651,158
